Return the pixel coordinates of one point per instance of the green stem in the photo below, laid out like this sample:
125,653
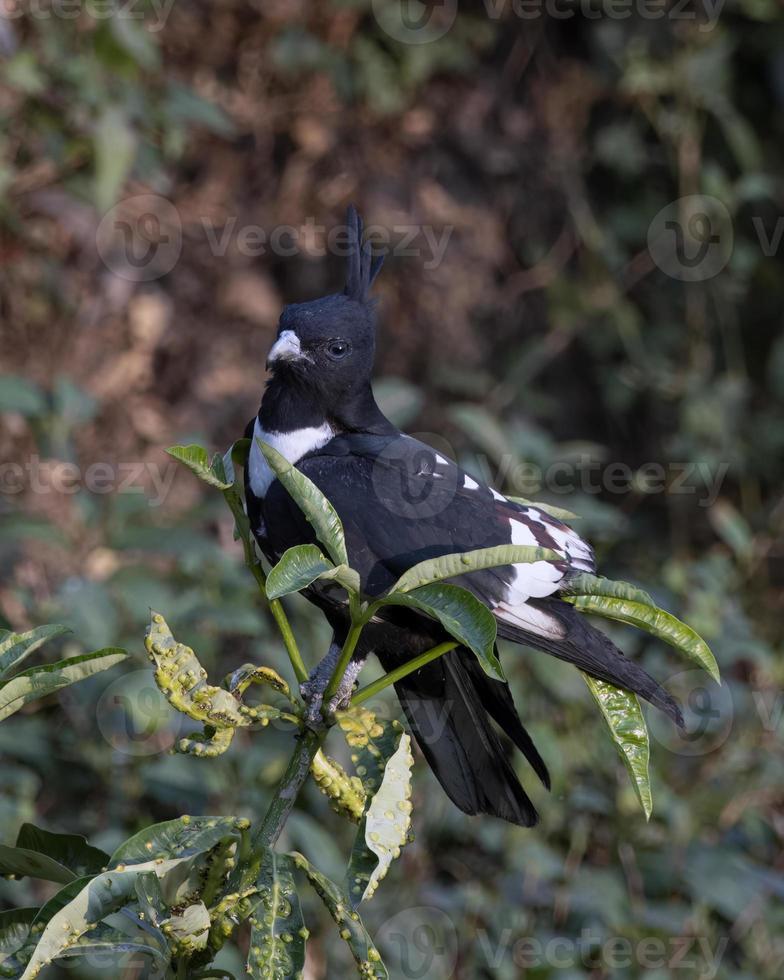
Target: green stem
371,690
345,656
253,563
287,790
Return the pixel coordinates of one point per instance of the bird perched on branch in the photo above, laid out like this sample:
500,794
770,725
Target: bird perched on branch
400,503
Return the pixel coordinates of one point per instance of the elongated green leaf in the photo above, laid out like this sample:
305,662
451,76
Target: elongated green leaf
70,850
449,566
37,682
367,957
381,753
300,566
461,614
319,512
559,513
623,715
105,945
586,584
184,837
16,647
22,862
655,621
278,933
196,459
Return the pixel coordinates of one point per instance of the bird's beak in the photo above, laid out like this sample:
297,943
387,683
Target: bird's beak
286,348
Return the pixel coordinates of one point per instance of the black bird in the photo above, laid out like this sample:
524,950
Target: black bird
401,503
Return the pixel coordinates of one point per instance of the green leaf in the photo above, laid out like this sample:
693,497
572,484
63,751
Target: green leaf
70,850
16,647
37,682
278,933
21,395
184,837
196,459
461,614
623,715
559,513
653,620
367,957
381,753
21,862
300,566
586,584
450,566
319,512
115,151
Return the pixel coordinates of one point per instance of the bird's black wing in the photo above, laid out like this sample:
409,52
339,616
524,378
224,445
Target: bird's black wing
401,502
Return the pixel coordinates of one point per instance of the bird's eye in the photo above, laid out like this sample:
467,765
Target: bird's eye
337,349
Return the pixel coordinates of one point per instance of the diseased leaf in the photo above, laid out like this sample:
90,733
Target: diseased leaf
367,957
14,929
70,850
381,753
37,682
461,614
449,566
184,837
586,584
345,793
196,459
320,513
85,903
16,647
278,933
624,718
655,621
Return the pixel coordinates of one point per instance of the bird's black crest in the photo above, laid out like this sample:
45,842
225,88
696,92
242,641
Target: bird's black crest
362,268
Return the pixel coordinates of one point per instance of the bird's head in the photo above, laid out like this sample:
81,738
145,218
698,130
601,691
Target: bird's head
328,344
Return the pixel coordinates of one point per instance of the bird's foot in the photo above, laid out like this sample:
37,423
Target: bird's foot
314,688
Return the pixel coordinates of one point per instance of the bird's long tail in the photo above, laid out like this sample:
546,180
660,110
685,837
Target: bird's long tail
449,703
589,649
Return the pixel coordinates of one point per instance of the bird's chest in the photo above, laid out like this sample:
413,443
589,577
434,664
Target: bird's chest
292,446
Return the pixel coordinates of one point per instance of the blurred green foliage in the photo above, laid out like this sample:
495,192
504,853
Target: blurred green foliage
548,335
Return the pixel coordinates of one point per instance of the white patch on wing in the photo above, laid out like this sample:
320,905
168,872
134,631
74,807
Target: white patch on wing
532,620
440,459
576,550
468,483
497,495
292,445
534,579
